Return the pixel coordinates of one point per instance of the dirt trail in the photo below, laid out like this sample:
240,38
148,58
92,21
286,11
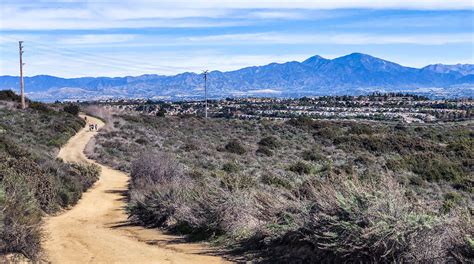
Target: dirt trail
96,229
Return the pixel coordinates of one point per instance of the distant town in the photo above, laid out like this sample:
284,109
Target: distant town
399,107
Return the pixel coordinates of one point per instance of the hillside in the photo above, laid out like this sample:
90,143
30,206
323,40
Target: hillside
349,75
303,190
32,181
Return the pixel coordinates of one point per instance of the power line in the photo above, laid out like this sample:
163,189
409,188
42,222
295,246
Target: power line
112,62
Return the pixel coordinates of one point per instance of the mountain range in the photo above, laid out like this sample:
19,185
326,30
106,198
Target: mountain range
352,74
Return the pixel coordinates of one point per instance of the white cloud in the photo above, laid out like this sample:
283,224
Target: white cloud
34,15
96,39
313,4
62,64
340,39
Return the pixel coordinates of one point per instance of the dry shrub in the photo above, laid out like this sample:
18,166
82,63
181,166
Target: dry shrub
149,170
217,211
373,222
156,183
21,215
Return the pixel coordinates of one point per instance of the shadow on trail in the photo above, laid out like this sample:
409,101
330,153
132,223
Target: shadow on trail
123,195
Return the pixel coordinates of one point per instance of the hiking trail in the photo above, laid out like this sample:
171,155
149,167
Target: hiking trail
96,230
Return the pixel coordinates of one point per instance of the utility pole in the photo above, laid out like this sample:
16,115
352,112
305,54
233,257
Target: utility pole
205,73
22,84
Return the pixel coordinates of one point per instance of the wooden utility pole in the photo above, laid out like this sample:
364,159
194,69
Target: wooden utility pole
22,84
205,73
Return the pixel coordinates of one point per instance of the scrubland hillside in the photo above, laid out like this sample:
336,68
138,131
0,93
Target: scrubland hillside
33,182
301,190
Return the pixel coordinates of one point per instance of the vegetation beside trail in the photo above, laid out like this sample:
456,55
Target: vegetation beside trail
302,190
33,182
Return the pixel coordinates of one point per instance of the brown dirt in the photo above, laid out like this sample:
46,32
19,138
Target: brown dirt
96,230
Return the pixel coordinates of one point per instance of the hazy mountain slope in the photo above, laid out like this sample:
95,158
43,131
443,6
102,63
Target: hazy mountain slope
351,74
462,69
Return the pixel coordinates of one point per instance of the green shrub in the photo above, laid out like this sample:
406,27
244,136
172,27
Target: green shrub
451,199
270,142
359,129
434,167
72,109
231,167
265,151
39,106
9,95
300,168
234,146
274,180
302,121
312,155
161,113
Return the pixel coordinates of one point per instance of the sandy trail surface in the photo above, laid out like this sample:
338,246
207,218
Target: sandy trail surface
96,230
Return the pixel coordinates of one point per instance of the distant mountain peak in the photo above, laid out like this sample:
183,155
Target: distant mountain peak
356,56
356,73
315,61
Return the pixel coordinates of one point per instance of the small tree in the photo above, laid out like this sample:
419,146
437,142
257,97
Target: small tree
161,112
72,109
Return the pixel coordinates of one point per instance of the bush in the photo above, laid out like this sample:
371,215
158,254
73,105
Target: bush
312,155
235,147
157,182
302,121
372,222
300,168
274,180
39,107
270,142
262,150
231,167
21,216
434,167
359,129
72,109
9,95
161,113
451,199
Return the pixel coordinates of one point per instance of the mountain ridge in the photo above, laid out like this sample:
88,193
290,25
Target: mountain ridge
355,73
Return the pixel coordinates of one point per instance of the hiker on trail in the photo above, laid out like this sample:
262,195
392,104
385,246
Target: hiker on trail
85,118
95,125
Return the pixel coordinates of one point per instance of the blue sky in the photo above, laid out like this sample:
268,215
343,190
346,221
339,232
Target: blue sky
71,38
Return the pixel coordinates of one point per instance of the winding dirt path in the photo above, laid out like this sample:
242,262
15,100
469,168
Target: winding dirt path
96,229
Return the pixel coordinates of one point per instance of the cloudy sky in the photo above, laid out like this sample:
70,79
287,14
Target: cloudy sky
70,38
